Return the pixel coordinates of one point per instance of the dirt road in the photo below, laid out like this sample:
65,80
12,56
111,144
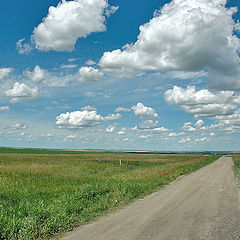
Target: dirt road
204,205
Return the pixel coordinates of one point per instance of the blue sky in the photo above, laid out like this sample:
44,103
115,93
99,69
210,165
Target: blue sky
153,75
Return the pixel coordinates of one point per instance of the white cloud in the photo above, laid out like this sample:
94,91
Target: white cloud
173,134
185,140
89,108
122,131
203,103
186,35
111,117
201,140
4,108
79,119
90,62
19,126
87,74
212,134
160,129
68,66
82,119
147,124
4,72
37,75
70,138
145,136
187,127
20,92
122,109
23,47
110,129
144,112
111,10
69,21
199,123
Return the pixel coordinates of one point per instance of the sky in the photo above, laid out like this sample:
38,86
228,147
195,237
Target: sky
128,75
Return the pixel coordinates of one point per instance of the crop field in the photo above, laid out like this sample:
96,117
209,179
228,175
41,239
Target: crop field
43,195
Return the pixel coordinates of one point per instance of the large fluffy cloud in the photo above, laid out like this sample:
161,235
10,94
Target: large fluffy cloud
203,103
82,119
21,91
69,21
186,35
144,112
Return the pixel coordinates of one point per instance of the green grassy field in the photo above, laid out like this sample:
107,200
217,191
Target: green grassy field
42,195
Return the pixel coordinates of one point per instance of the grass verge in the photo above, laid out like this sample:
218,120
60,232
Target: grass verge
236,160
44,195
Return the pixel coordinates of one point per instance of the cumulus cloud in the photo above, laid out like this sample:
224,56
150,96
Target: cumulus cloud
203,103
68,21
185,35
20,92
82,119
79,119
37,75
199,123
87,74
4,72
144,112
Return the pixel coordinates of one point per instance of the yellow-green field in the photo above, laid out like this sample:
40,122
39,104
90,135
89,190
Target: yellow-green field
42,195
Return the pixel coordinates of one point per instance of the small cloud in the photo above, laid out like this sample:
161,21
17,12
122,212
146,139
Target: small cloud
37,75
68,66
4,108
89,108
19,126
110,129
111,10
23,48
89,74
4,72
122,109
90,62
122,131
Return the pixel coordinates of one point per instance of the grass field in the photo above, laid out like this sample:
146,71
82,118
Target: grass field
44,195
236,160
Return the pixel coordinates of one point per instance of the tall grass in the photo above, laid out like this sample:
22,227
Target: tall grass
43,195
236,160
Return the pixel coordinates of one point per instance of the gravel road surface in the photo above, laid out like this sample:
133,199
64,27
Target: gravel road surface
204,205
